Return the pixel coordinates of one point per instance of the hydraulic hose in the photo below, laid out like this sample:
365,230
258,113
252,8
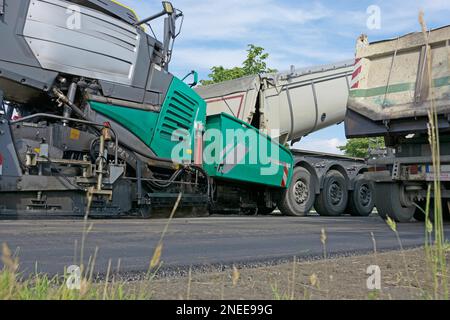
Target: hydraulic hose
178,173
86,122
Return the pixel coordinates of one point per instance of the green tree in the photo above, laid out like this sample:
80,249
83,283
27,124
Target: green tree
360,147
254,64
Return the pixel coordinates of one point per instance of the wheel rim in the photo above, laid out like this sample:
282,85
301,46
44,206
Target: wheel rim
365,195
336,193
301,192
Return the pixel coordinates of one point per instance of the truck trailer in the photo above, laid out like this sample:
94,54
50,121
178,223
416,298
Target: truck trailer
288,106
395,85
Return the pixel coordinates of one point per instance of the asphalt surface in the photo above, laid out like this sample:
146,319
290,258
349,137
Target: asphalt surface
49,246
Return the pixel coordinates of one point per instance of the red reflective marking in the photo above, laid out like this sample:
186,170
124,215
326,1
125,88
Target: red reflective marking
199,154
356,85
356,72
285,176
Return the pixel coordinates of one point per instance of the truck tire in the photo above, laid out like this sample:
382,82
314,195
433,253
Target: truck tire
299,197
361,200
387,201
445,210
333,199
419,214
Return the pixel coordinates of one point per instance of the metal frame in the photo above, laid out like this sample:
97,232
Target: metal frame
319,164
293,73
407,160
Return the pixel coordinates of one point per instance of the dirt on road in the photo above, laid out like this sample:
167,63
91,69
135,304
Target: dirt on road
403,274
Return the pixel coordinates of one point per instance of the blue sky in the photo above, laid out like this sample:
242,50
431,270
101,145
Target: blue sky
301,33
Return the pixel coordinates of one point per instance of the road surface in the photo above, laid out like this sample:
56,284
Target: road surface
50,245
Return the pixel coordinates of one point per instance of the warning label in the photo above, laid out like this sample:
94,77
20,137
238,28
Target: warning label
74,134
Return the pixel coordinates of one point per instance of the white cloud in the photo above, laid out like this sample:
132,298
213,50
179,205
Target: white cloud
293,32
236,19
321,145
283,29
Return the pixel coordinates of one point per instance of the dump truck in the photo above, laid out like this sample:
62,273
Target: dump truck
288,106
395,85
92,123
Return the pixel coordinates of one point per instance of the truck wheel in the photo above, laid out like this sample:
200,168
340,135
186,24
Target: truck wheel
361,200
298,198
419,215
333,199
445,210
388,202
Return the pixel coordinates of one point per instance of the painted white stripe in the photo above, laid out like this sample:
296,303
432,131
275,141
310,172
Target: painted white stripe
226,150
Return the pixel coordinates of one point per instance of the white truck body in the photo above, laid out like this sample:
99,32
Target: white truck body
287,105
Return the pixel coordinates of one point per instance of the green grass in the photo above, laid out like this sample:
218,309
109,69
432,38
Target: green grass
436,253
13,286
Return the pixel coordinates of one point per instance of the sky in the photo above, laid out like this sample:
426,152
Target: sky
294,32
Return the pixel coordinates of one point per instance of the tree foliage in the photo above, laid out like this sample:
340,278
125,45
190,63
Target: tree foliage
255,63
360,147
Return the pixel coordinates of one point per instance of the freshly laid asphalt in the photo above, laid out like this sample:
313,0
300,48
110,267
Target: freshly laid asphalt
50,245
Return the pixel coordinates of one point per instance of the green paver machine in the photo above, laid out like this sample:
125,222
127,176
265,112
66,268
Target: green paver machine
92,121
